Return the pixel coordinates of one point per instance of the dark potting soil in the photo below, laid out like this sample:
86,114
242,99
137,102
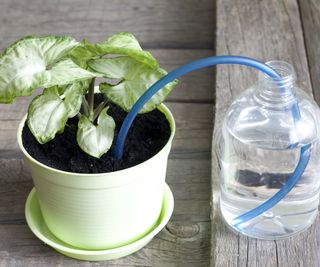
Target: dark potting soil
147,136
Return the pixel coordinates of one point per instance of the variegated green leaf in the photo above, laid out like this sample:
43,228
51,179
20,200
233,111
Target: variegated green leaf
65,72
122,43
49,112
35,62
96,140
135,77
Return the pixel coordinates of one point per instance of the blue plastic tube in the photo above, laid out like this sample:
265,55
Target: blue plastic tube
208,62
284,190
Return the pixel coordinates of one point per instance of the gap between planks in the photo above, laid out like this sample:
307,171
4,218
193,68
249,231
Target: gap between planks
265,30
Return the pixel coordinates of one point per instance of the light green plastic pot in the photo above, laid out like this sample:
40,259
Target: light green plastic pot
101,211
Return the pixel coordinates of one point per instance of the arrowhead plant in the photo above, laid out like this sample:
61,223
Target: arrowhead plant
66,70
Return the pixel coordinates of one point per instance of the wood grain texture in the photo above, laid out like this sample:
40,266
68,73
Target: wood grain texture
265,30
191,193
193,135
194,88
197,87
310,18
157,24
179,171
184,242
176,32
166,249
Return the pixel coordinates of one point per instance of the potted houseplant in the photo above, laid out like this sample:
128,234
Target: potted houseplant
88,199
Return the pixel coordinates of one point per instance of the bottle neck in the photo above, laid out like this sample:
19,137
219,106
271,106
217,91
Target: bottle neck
277,93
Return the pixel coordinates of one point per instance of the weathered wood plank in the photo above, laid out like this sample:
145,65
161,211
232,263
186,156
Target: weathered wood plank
185,241
22,248
302,250
179,171
157,24
310,18
196,87
193,135
194,123
189,186
265,30
188,179
166,24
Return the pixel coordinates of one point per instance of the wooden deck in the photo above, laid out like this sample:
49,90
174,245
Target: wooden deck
176,32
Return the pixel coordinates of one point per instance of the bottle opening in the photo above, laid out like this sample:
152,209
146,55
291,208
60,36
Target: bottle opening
285,70
277,92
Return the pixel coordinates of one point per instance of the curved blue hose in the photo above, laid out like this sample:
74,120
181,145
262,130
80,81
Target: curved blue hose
284,190
207,62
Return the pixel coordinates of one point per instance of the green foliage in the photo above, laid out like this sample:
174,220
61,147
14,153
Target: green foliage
135,78
96,139
35,62
67,70
122,43
48,113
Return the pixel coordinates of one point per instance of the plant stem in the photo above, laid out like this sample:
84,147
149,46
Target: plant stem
91,99
99,108
85,106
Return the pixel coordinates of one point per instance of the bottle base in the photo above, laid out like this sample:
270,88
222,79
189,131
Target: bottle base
265,227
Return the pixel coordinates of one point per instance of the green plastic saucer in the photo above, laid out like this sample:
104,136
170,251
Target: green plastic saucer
38,227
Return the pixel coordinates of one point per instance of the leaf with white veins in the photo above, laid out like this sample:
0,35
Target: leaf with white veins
135,78
96,140
49,112
122,43
35,62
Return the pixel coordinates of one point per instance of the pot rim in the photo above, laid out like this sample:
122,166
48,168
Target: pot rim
163,108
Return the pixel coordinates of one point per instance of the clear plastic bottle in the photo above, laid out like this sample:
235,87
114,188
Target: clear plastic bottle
258,148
